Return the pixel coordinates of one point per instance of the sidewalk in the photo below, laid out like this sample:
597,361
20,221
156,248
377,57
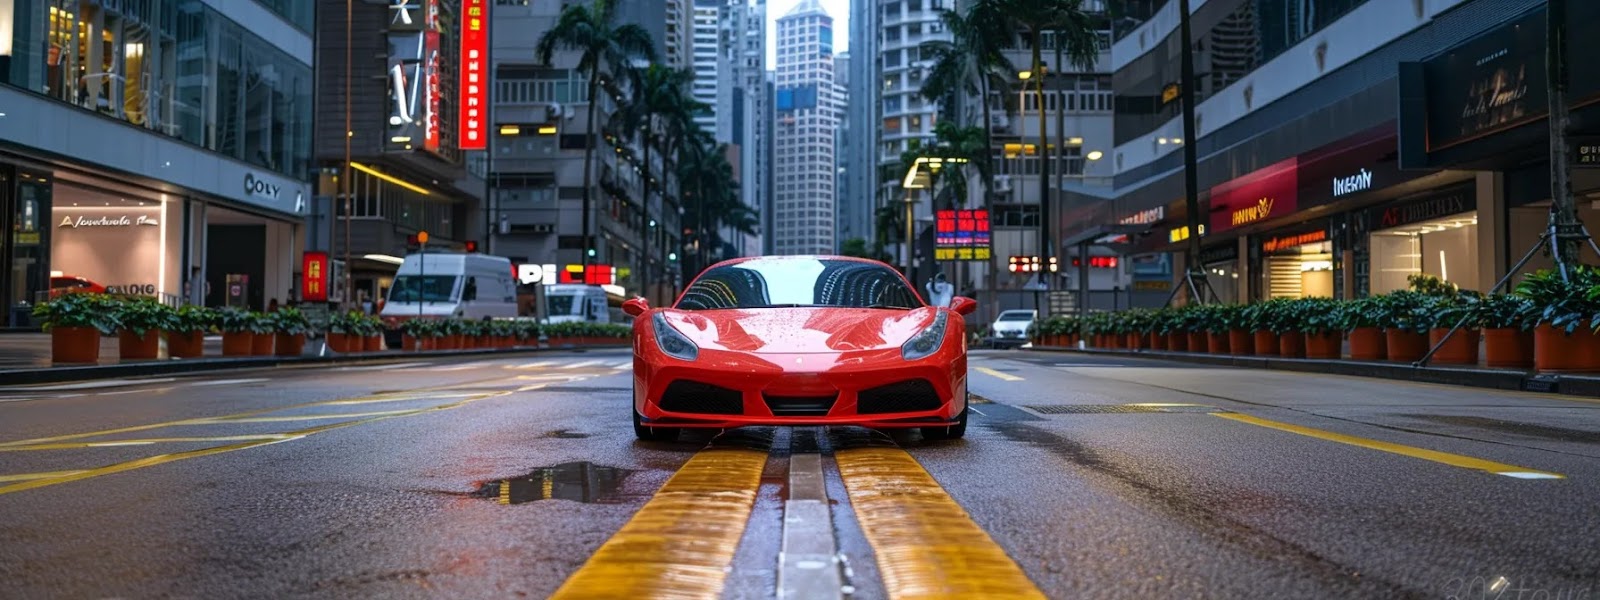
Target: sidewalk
25,359
1463,375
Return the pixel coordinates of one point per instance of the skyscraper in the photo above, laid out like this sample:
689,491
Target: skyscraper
859,193
907,117
803,219
742,104
706,76
845,203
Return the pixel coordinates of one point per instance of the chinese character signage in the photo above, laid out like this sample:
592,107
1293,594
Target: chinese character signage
474,74
314,277
961,234
413,75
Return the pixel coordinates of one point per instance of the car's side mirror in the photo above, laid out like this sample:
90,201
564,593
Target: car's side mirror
963,305
635,307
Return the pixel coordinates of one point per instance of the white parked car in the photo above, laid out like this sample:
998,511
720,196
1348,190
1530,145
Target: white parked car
1011,328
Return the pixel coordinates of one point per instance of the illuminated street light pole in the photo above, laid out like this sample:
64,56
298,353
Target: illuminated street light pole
917,179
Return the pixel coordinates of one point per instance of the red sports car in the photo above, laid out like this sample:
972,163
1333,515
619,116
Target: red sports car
799,340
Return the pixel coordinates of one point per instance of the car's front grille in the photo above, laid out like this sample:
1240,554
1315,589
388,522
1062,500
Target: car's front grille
904,396
800,406
701,398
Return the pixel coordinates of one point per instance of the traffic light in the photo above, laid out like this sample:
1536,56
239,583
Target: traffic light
471,246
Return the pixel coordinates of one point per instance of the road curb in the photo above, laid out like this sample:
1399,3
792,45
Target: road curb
202,365
1500,379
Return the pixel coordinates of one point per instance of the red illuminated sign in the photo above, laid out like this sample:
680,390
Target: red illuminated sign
314,277
430,127
1292,241
961,234
598,275
474,74
1264,194
1097,262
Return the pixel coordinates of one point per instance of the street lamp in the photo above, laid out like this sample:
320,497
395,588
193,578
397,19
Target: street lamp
918,178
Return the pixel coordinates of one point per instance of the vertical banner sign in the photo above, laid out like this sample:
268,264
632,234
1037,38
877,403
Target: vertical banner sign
430,57
314,277
474,74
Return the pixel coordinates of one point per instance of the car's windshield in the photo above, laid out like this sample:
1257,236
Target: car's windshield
560,305
780,282
429,288
1015,316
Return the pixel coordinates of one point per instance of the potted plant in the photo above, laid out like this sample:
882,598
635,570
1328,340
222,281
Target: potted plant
1322,321
559,333
291,326
372,329
528,333
1160,328
261,344
76,321
187,339
141,322
1507,322
417,334
448,330
1563,339
1363,318
1236,318
1215,321
342,327
1406,318
1461,348
1285,319
238,331
1258,321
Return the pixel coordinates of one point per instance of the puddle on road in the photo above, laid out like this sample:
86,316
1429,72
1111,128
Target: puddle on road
576,481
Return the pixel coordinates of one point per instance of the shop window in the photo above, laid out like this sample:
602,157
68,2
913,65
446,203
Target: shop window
1445,248
1297,266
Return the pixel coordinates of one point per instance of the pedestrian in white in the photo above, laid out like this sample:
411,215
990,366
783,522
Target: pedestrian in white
940,292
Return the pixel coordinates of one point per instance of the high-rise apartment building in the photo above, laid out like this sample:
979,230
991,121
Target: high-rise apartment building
803,219
906,117
742,105
844,203
707,79
858,195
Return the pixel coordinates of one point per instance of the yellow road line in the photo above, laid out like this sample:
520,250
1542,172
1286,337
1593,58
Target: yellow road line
1003,376
28,476
70,476
144,441
680,544
925,544
1454,460
290,418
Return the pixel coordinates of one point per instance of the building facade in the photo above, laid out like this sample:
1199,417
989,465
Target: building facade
858,194
536,164
803,216
707,47
403,95
742,107
1341,147
154,148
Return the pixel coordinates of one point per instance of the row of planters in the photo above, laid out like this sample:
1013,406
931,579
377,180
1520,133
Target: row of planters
77,321
1548,323
465,334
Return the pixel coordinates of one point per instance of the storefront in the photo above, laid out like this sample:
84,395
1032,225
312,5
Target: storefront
1433,234
1296,264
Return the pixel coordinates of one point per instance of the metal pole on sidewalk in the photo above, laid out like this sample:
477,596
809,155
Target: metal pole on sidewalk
1191,181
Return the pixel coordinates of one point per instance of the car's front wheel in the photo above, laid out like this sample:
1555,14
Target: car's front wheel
652,434
948,432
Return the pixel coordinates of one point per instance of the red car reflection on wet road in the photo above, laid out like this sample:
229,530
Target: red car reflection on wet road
800,340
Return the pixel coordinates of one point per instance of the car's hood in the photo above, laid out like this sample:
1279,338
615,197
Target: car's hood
800,330
1010,325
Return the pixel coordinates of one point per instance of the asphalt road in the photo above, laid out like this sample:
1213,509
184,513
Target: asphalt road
1080,477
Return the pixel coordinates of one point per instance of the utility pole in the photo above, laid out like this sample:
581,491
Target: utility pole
344,179
1040,74
1568,231
1195,275
1061,160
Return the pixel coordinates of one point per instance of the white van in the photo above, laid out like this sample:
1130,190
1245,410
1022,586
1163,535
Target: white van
444,284
576,302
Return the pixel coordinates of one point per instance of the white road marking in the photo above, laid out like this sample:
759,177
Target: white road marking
22,398
91,385
464,367
229,381
580,364
382,367
534,365
627,364
808,565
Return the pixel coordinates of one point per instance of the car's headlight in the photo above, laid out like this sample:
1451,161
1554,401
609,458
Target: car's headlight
927,341
673,342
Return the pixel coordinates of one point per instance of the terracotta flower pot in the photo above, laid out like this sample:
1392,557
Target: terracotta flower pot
1217,343
131,346
1460,349
1196,341
238,343
1241,343
1507,347
338,342
431,343
1404,346
1178,341
1555,350
1134,341
374,343
74,345
1158,341
1325,345
261,344
1266,343
1368,343
189,344
291,344
410,343
1292,344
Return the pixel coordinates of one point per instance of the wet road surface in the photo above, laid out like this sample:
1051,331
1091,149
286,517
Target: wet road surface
519,476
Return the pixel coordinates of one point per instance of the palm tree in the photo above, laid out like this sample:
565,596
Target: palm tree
658,97
591,31
955,141
973,62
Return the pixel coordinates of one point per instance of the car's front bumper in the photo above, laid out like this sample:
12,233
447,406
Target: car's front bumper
870,389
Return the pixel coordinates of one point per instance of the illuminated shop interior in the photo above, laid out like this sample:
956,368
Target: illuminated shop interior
1299,271
1445,248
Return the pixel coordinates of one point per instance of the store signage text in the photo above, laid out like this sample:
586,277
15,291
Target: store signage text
260,188
474,75
1423,210
1361,181
314,276
1586,153
1145,217
1250,214
1291,241
122,221
1182,233
133,289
